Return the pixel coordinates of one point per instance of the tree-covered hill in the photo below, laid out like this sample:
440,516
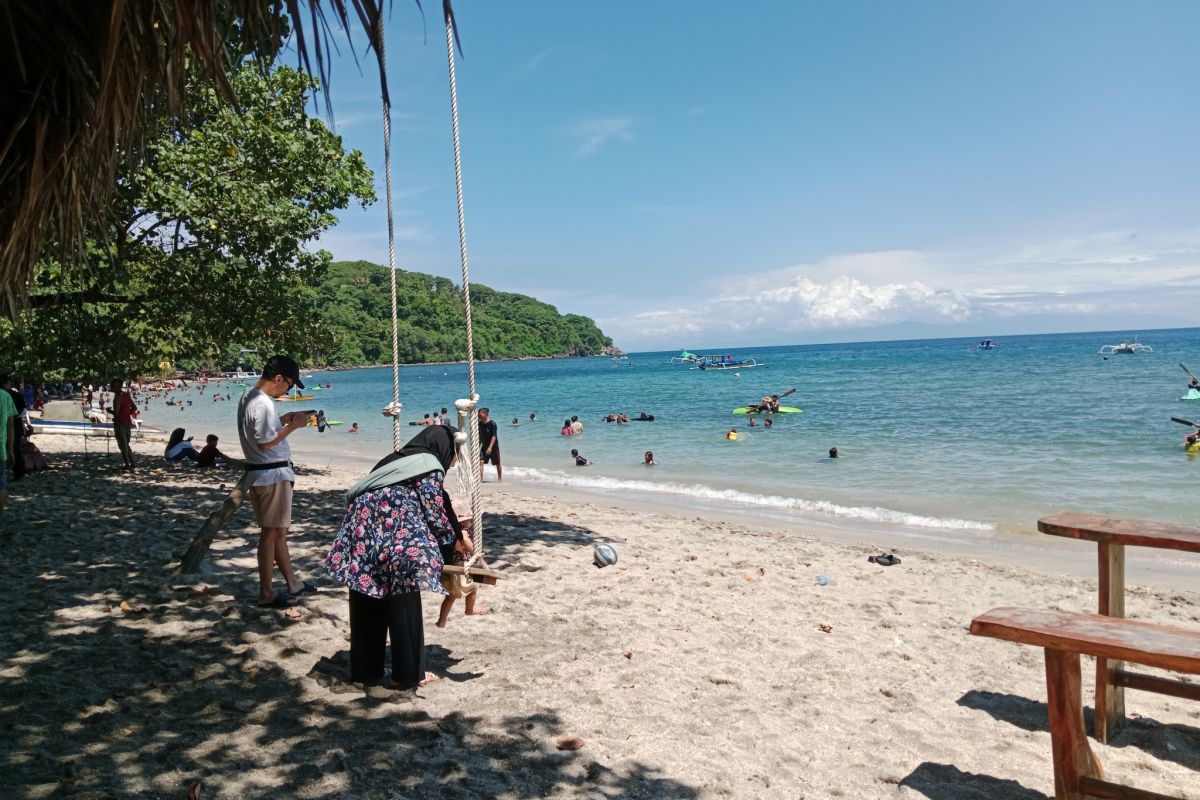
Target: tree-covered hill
354,308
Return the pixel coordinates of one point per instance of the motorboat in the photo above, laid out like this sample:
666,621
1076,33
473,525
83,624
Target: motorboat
987,344
621,361
1125,348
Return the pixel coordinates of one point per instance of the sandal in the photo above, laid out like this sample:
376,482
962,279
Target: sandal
281,600
305,588
884,560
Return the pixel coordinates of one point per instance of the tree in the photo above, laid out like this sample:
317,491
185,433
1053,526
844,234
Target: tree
207,249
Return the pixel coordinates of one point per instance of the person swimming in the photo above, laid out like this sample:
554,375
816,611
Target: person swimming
732,435
833,451
648,459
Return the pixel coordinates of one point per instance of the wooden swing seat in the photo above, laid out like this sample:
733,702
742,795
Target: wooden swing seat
484,575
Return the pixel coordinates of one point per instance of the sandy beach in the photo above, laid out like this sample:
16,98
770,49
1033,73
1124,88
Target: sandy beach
707,663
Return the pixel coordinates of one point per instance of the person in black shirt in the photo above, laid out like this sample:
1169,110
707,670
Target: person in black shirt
489,445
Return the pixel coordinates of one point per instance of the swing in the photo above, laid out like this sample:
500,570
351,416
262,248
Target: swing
461,579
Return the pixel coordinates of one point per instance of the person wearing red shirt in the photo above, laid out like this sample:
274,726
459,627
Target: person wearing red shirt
123,411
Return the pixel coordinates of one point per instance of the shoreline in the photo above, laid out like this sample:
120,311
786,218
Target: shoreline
696,667
1051,556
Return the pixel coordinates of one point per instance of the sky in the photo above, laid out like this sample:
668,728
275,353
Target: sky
694,173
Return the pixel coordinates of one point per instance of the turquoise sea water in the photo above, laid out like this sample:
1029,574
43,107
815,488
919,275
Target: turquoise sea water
933,433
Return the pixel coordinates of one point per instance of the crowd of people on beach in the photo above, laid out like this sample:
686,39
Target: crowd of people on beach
400,529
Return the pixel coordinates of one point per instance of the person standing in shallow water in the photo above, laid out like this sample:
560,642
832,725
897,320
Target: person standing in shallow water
489,444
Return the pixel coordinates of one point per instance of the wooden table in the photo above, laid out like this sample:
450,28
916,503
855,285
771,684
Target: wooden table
1111,537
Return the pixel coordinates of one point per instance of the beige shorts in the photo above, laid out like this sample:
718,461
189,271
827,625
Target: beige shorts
272,504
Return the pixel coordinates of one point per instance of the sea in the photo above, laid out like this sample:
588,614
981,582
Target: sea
933,434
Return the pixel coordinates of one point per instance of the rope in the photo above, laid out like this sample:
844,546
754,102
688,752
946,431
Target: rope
473,466
387,170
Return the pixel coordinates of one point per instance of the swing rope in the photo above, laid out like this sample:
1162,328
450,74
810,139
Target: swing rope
387,171
472,466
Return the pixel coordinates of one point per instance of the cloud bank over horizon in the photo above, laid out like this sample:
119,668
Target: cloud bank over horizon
1111,279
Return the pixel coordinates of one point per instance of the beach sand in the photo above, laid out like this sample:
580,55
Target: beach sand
696,667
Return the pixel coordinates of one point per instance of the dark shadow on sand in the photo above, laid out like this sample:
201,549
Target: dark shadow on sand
1168,742
140,701
947,782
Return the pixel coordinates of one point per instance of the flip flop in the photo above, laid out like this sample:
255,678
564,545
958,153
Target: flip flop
282,600
305,588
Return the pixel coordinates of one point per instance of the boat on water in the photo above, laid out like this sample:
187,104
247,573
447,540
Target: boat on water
68,416
293,398
987,344
621,361
1191,394
684,357
724,362
1126,348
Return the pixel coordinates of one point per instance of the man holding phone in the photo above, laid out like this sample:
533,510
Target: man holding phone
263,434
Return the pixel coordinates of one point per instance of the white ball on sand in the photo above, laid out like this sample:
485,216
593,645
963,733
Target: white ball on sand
604,555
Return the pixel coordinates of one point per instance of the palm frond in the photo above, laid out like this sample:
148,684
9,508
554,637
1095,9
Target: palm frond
87,81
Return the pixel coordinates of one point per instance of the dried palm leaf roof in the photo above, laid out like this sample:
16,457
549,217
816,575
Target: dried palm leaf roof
85,79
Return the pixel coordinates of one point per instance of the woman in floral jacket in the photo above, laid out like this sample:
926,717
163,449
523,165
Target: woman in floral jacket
390,547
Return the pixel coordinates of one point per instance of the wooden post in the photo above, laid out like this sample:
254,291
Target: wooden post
1073,757
1110,698
215,522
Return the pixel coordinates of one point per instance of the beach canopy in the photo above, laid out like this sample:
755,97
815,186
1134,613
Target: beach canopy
87,82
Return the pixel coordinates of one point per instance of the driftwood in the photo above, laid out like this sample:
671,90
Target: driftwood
213,525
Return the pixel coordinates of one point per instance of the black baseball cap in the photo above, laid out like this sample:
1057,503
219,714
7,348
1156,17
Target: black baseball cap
285,366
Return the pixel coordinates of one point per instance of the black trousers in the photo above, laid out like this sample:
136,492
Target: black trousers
18,465
371,620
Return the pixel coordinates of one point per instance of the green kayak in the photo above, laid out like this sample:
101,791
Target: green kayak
782,410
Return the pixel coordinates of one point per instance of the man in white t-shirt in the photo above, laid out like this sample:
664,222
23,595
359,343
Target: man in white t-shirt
263,434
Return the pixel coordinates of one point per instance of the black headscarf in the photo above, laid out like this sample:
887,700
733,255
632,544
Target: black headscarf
438,441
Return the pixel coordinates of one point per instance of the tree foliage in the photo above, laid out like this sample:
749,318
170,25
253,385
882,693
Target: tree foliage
355,307
208,246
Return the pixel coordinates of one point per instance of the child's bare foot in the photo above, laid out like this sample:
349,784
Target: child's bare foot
441,623
477,610
429,678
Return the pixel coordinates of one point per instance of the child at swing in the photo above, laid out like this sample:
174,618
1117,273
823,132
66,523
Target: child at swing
457,555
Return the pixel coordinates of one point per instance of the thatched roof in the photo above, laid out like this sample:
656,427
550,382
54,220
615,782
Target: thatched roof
85,78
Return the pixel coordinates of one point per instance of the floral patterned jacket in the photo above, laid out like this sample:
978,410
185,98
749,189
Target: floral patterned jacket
389,540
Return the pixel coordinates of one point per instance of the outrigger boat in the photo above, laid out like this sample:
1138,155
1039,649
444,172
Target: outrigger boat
685,357
1125,348
724,362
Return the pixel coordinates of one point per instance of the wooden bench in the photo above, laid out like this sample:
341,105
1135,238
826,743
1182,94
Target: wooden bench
1112,536
1066,635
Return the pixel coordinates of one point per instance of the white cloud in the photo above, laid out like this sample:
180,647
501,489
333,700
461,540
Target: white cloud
800,304
1102,280
593,134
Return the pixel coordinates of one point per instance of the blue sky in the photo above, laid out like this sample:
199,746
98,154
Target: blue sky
702,174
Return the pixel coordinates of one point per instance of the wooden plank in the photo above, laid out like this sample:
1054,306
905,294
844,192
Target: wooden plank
215,522
1110,698
1156,684
1073,757
482,575
1143,533
1102,789
1107,637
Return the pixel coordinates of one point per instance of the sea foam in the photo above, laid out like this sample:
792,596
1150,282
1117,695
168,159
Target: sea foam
708,493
